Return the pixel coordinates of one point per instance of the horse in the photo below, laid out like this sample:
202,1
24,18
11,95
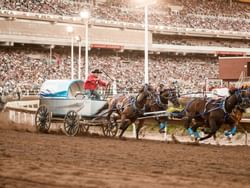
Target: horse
213,113
159,102
127,108
233,121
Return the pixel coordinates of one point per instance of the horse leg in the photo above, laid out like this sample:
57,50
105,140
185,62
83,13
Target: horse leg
232,132
163,125
213,131
138,128
164,128
195,132
124,125
216,140
187,123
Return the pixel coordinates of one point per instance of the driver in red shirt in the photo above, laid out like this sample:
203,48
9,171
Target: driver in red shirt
93,82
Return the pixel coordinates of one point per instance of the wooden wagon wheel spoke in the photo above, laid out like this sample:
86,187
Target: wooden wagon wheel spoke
109,133
42,119
110,129
71,123
71,130
74,128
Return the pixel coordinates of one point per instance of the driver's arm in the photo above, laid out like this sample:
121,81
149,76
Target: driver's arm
102,83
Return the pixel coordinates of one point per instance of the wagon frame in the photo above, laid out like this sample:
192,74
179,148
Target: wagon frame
65,101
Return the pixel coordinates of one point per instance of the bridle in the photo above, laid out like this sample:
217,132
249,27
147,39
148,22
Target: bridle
242,100
172,96
147,94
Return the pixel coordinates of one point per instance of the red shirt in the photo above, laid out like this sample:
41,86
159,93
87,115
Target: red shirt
92,82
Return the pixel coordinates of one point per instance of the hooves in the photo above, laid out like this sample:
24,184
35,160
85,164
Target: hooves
197,140
175,140
229,139
162,131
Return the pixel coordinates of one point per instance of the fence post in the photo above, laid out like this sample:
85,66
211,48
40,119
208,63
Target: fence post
165,133
33,119
12,115
25,117
134,130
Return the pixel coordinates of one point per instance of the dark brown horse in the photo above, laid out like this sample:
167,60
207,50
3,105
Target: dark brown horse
159,102
233,121
127,108
213,113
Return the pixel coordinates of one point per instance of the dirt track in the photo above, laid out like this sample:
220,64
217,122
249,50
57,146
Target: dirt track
30,159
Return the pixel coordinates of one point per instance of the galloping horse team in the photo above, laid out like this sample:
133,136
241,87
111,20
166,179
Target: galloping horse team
205,113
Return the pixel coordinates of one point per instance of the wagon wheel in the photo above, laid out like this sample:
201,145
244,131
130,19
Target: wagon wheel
83,128
71,123
42,119
110,128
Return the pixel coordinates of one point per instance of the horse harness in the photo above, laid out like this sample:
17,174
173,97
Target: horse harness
129,101
160,103
220,103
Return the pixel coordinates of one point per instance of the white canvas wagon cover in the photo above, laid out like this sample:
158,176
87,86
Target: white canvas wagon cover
61,88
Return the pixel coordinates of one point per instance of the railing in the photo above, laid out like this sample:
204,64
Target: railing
22,112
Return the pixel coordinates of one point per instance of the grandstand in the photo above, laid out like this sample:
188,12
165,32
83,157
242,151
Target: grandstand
185,40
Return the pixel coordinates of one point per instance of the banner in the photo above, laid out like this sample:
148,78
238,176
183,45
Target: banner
106,46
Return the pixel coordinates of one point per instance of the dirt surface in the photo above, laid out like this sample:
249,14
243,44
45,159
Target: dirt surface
30,159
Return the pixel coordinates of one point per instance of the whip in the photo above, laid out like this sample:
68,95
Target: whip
107,75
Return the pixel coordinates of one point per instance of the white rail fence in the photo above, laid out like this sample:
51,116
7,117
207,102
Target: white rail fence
22,112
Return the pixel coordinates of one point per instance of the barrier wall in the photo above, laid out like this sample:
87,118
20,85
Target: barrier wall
22,112
34,28
32,31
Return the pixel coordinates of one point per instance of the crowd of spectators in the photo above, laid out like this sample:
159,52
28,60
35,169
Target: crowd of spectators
212,14
199,41
28,69
188,72
215,7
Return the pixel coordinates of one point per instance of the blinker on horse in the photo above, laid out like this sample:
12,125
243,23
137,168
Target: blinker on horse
213,113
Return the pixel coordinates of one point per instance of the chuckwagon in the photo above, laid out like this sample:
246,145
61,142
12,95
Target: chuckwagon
66,101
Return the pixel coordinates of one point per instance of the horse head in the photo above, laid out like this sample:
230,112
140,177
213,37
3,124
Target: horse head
242,97
145,92
171,95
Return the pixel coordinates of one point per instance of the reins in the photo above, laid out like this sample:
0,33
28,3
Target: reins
222,103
